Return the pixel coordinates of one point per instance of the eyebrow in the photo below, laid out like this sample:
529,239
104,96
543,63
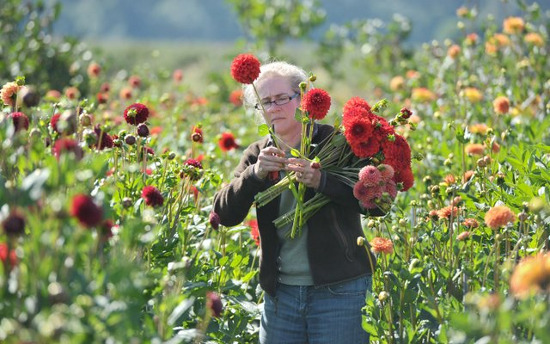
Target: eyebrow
275,96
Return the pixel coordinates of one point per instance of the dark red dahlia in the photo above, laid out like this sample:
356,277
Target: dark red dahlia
214,220
405,113
86,211
20,120
104,140
316,103
214,304
194,162
405,177
227,142
102,97
152,196
67,145
14,224
245,68
136,113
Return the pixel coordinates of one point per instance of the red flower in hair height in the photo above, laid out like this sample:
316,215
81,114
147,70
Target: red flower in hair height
86,211
316,102
227,142
245,68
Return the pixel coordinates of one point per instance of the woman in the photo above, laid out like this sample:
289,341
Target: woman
316,283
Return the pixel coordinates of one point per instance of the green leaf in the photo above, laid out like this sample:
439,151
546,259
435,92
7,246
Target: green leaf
263,130
295,153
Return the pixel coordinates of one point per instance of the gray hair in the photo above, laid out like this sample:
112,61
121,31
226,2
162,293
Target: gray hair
294,74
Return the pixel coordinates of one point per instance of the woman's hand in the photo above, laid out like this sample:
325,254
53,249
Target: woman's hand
306,172
270,159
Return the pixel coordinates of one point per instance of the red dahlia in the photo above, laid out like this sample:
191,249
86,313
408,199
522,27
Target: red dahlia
227,142
6,258
136,113
316,103
214,303
245,68
86,211
53,122
214,220
14,224
67,145
20,120
152,196
194,162
356,102
104,140
358,129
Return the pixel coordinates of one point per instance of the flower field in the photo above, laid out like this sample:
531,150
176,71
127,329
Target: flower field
106,187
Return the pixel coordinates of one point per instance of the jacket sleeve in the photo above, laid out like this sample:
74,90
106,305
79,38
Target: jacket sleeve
234,200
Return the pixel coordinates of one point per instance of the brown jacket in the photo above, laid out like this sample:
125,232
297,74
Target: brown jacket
332,237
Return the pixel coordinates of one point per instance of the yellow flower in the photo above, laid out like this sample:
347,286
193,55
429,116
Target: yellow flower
422,94
532,274
534,38
478,128
397,83
473,94
513,25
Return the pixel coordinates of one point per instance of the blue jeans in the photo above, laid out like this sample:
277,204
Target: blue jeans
316,315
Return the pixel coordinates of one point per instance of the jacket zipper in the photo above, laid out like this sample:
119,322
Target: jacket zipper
341,235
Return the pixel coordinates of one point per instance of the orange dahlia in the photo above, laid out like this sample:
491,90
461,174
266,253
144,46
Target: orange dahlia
381,245
513,25
532,274
499,216
501,105
475,149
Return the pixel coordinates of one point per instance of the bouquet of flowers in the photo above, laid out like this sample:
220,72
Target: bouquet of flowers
367,141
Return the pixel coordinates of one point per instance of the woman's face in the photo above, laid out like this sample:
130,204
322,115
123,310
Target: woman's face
281,116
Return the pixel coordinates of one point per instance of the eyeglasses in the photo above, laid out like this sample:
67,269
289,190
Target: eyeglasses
281,100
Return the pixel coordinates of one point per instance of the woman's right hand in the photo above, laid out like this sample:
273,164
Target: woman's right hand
270,159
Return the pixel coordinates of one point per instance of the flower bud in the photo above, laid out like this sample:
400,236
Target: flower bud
522,216
312,78
303,86
402,222
85,120
214,220
360,241
171,156
130,139
143,130
90,137
196,137
383,296
127,202
481,163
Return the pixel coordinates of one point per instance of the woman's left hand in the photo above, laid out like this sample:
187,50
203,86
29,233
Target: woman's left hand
305,173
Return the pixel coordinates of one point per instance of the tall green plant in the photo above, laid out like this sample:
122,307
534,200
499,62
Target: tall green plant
270,23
